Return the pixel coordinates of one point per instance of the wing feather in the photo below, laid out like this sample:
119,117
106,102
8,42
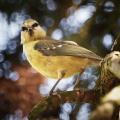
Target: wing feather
64,48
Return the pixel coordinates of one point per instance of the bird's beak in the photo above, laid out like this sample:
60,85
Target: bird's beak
30,30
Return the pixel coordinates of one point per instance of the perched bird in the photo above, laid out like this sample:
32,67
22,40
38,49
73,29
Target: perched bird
53,58
109,72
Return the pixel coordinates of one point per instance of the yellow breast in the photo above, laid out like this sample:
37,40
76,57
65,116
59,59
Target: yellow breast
49,66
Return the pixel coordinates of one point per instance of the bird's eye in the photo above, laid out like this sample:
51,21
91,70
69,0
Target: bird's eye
24,29
35,25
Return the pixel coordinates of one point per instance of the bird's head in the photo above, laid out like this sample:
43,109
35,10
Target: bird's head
112,63
31,30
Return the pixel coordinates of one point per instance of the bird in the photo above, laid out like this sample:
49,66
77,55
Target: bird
52,58
109,72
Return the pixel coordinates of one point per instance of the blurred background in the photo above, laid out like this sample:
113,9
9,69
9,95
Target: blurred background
93,24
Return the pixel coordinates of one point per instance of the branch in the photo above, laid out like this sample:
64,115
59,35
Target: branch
49,106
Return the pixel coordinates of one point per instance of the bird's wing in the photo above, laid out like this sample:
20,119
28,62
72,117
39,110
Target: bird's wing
63,48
